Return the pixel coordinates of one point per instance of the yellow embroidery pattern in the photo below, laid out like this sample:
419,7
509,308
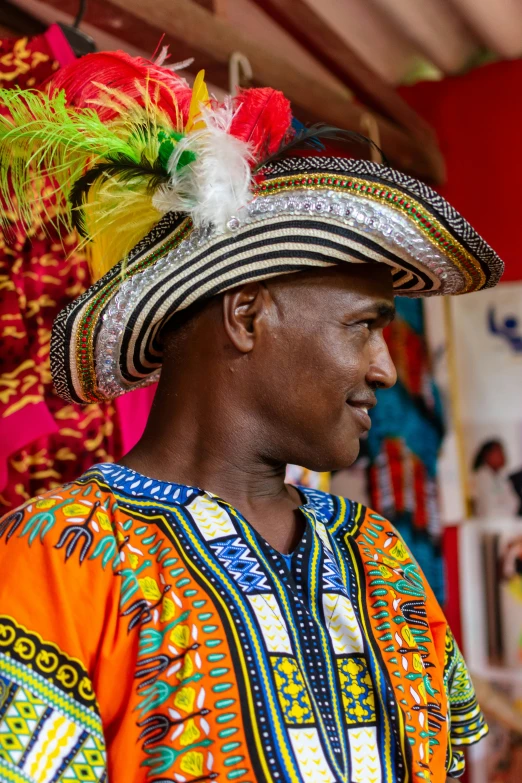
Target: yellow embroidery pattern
292,691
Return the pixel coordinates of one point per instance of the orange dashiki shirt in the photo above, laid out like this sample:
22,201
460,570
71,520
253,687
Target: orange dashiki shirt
149,633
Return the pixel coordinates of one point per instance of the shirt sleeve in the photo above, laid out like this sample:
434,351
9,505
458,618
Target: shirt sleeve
467,723
59,617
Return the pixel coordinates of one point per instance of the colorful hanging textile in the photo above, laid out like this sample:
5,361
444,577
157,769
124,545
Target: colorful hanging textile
45,442
404,442
28,62
208,657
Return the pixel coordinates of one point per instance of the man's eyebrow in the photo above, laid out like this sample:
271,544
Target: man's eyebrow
386,312
378,311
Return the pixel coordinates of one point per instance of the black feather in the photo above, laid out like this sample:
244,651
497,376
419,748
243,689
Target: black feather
121,168
310,137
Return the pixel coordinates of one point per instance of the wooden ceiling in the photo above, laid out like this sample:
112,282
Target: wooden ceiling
337,60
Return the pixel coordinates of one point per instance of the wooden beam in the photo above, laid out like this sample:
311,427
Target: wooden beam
310,29
200,30
191,30
498,24
435,30
16,21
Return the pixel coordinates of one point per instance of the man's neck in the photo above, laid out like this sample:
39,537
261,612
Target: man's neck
240,475
221,457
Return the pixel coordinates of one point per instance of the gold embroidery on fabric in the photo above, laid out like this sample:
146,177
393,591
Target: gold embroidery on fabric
20,59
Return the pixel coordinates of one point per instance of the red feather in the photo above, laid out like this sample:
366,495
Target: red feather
263,118
120,71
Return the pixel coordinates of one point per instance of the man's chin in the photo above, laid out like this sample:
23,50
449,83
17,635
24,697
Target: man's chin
347,459
337,459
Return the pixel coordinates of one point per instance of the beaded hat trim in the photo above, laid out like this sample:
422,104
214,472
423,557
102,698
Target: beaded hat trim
306,212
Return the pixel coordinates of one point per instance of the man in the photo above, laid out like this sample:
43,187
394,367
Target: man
185,615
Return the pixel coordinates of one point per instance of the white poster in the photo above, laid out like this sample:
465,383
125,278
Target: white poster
488,344
487,333
452,500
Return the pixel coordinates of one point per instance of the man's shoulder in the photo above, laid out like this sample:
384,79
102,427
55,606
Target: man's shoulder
84,503
342,515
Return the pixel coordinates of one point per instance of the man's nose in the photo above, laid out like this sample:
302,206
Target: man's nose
381,372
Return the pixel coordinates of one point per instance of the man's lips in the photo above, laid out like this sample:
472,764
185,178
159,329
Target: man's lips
361,409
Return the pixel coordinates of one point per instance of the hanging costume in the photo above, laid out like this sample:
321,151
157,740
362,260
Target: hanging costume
194,664
45,441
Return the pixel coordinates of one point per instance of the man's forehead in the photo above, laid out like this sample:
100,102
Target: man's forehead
355,285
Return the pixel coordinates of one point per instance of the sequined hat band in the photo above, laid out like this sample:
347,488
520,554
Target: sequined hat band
306,212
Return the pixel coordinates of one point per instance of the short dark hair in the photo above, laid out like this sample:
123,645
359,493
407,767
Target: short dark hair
484,450
182,319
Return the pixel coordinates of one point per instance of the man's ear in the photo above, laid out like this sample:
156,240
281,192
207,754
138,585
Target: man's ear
244,311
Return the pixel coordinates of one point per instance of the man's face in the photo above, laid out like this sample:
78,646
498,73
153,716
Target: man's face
319,356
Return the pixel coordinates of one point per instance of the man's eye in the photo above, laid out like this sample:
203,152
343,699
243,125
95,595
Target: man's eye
366,324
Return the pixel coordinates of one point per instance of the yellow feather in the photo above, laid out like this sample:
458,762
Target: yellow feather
200,97
112,239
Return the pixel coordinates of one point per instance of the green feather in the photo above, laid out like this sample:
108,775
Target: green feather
41,137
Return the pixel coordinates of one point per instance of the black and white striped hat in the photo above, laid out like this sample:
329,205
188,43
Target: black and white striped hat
306,212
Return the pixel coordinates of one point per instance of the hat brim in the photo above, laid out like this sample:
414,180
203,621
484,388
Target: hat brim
306,212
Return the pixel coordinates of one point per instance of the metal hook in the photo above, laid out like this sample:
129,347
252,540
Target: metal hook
81,43
81,13
239,69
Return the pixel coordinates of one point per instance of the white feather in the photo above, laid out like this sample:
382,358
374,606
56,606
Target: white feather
161,60
218,183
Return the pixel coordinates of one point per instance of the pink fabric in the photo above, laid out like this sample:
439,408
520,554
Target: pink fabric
133,411
21,428
59,45
35,421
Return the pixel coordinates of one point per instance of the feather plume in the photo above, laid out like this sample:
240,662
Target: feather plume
126,75
124,140
300,127
140,176
310,137
262,118
217,183
200,100
113,233
40,136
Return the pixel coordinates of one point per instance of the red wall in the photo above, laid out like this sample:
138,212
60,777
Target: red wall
478,119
